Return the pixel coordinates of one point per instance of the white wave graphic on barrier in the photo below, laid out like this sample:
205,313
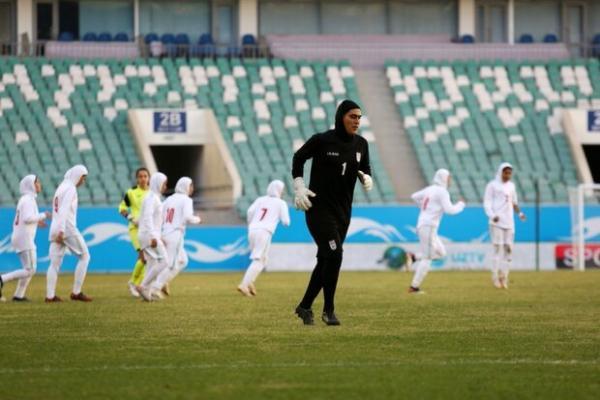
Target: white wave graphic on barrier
203,253
591,229
100,233
387,233
5,246
197,251
413,229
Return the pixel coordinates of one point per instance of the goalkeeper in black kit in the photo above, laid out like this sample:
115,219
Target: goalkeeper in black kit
339,156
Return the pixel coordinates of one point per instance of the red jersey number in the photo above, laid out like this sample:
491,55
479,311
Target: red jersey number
56,204
17,219
169,216
425,203
264,213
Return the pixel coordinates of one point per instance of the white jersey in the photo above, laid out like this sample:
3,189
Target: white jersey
499,201
151,218
266,212
178,211
434,201
26,223
64,210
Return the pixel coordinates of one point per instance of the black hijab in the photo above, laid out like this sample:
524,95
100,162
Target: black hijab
342,109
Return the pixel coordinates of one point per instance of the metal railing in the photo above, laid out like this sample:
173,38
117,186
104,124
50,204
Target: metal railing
134,49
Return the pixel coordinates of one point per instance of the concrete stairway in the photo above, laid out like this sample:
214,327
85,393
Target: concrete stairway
393,144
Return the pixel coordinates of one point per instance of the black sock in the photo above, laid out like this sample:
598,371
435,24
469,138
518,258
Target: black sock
330,280
314,285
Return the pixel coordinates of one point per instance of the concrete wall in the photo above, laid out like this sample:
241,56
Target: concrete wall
24,18
466,17
248,17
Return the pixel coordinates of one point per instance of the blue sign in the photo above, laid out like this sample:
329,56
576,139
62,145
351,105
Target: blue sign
594,121
226,247
170,122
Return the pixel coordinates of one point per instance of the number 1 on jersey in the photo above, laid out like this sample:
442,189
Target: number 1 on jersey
344,169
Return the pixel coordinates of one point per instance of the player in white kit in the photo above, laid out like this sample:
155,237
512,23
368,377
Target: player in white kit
500,202
149,234
27,220
178,211
263,217
65,235
433,201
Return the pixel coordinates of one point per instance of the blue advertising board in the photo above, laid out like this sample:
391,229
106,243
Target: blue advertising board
225,247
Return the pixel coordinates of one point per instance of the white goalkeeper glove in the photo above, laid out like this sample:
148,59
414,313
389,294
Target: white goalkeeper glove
366,180
302,194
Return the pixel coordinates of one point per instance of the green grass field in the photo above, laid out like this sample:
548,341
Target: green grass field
463,339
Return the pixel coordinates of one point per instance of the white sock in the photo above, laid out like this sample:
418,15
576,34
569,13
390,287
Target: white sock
496,264
172,274
80,272
506,264
22,286
421,269
153,269
51,279
17,274
255,268
163,278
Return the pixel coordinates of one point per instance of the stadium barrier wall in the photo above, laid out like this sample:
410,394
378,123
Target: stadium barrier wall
373,230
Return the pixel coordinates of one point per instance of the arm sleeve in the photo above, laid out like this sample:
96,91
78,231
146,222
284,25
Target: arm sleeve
417,197
250,212
63,208
125,203
146,213
307,151
487,201
450,208
365,162
515,197
285,214
188,213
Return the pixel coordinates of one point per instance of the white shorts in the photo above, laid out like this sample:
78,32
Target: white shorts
176,256
156,253
260,243
74,243
500,236
432,247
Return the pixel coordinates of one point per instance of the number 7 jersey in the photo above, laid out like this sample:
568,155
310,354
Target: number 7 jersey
266,212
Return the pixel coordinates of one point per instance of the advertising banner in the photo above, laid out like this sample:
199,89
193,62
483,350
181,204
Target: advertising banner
378,238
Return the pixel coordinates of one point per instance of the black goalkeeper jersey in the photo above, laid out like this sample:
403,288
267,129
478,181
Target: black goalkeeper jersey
336,160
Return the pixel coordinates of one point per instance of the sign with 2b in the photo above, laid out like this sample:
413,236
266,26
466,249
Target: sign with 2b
594,121
170,122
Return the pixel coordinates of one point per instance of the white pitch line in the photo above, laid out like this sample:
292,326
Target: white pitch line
242,365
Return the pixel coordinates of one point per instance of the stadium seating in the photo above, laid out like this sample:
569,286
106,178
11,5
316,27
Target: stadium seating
56,113
470,116
526,38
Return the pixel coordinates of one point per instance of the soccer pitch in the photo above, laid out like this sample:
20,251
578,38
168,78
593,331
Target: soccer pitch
463,339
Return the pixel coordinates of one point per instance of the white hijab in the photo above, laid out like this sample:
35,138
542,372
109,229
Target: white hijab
441,178
156,181
275,188
27,185
500,169
75,173
183,185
